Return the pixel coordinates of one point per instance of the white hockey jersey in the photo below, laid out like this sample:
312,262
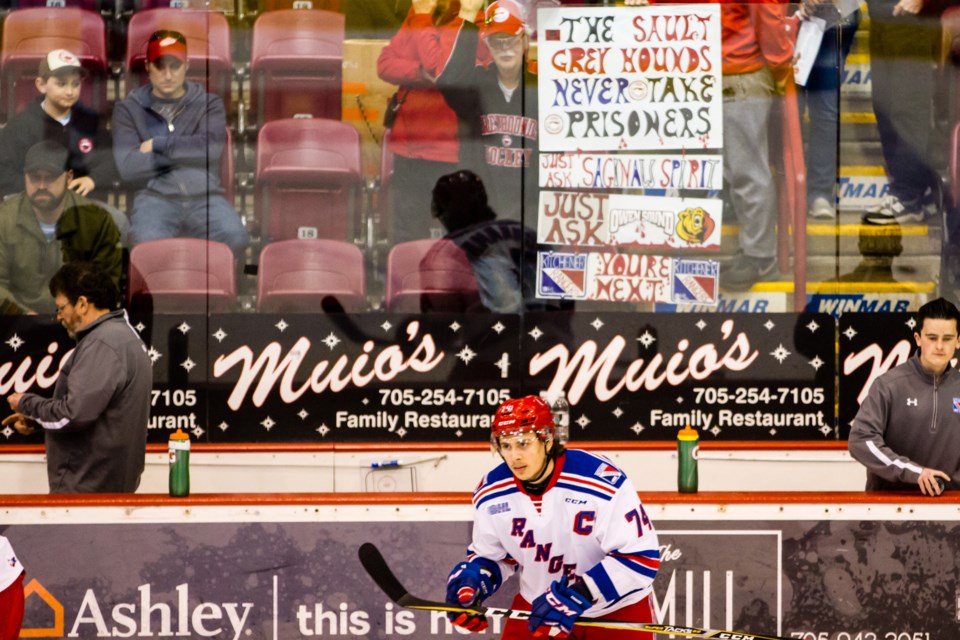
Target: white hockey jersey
588,522
10,566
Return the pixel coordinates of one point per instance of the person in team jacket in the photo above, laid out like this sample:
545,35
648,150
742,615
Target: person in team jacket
496,106
569,522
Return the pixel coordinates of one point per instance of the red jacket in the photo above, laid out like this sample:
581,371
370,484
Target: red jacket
753,34
425,127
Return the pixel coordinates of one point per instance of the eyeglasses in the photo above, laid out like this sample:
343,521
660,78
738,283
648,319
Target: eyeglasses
61,307
502,43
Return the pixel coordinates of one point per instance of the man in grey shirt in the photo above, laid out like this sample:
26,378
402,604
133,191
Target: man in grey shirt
907,432
96,422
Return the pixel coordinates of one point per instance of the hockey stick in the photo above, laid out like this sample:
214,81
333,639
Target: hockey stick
376,566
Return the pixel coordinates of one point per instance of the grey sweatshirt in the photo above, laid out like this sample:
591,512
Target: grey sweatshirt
96,422
908,421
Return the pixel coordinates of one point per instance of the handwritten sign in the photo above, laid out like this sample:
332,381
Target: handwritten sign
623,78
696,172
601,219
621,277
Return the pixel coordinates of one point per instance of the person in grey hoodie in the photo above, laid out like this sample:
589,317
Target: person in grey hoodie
168,138
907,431
96,422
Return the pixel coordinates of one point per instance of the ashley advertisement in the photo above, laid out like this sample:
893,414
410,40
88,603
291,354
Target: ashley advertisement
821,580
439,378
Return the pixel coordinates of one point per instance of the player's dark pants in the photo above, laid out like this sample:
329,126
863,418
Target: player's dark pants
638,612
11,606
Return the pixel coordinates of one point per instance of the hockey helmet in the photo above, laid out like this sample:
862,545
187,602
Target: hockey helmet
523,415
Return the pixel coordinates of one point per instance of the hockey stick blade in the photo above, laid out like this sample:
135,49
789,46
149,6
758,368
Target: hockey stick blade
376,566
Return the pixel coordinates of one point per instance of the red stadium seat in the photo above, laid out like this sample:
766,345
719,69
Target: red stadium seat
308,180
430,275
296,65
182,275
208,47
311,276
30,34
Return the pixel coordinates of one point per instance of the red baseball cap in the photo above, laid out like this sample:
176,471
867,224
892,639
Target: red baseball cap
167,43
504,16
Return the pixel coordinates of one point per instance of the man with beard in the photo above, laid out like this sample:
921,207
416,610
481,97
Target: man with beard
47,226
95,424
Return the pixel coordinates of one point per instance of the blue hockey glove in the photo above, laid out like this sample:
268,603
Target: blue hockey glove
559,606
471,583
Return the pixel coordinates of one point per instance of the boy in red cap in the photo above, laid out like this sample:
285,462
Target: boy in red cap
168,137
496,106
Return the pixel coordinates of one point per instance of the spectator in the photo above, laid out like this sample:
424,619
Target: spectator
904,47
168,137
496,106
820,96
47,226
423,135
11,592
96,422
501,253
757,61
59,116
905,431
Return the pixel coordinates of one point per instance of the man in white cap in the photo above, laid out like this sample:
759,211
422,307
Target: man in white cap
168,138
496,106
58,115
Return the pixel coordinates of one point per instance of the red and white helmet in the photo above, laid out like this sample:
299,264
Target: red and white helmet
523,415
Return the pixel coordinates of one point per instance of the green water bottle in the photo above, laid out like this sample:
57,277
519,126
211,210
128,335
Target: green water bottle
179,449
687,452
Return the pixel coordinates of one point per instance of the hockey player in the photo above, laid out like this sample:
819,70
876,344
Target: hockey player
568,522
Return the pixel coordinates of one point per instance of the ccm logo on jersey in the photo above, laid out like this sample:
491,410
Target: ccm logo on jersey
608,473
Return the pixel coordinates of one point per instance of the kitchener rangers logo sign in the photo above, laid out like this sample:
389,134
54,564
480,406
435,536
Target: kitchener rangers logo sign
695,281
85,145
608,473
956,405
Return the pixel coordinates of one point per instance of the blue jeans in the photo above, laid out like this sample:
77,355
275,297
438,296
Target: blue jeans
903,51
821,97
212,218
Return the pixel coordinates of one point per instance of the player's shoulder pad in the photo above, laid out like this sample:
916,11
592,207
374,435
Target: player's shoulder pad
497,483
591,465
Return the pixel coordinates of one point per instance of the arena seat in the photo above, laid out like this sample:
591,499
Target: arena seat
311,276
29,34
296,65
208,47
430,275
181,275
308,180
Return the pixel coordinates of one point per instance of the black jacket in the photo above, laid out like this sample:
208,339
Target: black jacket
85,137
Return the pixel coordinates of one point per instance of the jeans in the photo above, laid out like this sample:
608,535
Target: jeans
821,98
212,218
903,54
748,100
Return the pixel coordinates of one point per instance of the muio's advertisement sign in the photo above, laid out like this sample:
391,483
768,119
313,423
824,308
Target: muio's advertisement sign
440,377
